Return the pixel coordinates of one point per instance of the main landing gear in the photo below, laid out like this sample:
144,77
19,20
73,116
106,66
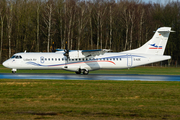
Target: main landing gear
84,71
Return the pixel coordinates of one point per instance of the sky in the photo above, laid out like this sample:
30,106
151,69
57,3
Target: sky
158,1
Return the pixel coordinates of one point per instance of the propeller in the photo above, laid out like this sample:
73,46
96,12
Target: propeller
66,53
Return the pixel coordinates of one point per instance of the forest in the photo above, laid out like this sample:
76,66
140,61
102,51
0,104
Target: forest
38,25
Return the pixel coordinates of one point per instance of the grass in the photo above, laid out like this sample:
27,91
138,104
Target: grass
37,99
85,99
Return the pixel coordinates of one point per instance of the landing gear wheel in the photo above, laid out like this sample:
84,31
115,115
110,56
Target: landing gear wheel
85,72
79,72
14,70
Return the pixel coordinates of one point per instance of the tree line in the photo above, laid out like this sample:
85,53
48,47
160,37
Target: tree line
37,25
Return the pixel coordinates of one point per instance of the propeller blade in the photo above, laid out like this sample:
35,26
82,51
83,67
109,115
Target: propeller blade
66,52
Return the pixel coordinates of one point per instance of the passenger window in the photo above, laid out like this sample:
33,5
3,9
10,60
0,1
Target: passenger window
59,59
49,59
62,59
55,59
45,59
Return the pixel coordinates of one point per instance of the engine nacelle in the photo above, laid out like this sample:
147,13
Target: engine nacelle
76,54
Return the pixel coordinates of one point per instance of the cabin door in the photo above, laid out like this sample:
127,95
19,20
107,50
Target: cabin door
129,60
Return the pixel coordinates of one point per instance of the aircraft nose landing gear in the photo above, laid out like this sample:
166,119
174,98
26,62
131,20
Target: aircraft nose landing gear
14,70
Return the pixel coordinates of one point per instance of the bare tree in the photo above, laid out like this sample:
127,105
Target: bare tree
60,7
132,19
2,31
65,22
38,25
49,25
90,23
70,16
110,26
141,22
98,18
47,16
17,10
9,17
126,23
82,21
101,22
73,25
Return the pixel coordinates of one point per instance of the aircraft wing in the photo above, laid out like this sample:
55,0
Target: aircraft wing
84,53
96,52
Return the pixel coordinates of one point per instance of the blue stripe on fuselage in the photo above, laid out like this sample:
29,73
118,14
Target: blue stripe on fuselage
87,61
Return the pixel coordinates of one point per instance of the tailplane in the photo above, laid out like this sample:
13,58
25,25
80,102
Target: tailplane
156,45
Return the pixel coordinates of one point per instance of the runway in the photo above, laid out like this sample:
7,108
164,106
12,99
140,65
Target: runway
118,77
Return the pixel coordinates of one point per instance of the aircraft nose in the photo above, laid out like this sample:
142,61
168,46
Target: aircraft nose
5,64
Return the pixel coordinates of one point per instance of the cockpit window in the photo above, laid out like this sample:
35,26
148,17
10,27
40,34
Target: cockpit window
17,56
13,56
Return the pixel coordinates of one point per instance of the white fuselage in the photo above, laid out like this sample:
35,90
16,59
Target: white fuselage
58,61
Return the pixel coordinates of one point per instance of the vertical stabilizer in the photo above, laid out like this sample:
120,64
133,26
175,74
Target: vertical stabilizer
157,44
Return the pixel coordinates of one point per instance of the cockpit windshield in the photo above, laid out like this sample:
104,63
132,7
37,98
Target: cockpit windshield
17,56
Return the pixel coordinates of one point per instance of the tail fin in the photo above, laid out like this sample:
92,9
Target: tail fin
157,44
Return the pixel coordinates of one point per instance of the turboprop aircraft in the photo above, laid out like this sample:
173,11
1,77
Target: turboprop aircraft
83,61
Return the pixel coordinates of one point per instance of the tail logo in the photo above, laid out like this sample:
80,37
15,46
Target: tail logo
154,46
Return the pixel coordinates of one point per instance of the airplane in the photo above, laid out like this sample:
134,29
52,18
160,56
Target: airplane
83,61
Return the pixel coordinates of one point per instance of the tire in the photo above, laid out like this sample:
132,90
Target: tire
85,72
78,72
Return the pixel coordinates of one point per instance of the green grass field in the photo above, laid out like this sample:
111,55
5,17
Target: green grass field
88,99
39,99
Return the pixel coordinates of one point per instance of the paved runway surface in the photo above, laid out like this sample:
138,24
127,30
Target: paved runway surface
125,77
